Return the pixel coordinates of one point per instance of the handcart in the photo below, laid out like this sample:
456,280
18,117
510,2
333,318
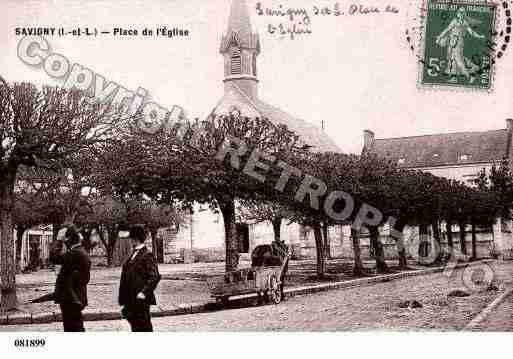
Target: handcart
265,277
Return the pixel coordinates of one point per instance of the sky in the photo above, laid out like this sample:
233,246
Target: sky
352,73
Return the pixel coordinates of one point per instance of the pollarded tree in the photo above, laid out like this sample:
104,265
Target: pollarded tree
377,178
60,193
204,162
273,213
153,216
109,216
315,196
27,214
40,128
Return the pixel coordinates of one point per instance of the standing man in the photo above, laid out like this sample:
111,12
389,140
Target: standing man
71,285
139,278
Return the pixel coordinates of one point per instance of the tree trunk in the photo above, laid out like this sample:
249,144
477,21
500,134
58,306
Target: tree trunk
379,254
463,243
227,208
157,244
438,240
474,241
401,246
320,251
358,264
327,247
7,248
56,227
423,242
20,230
110,254
450,242
403,260
277,228
111,246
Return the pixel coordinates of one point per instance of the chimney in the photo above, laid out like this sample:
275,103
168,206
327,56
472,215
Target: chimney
368,139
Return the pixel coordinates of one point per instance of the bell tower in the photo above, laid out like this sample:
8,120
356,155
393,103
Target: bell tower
240,48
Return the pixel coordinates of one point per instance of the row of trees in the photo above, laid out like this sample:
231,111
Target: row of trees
103,159
198,165
52,142
51,198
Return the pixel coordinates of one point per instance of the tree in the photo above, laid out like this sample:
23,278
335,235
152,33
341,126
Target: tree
40,128
27,214
109,217
324,173
358,264
264,212
199,166
153,216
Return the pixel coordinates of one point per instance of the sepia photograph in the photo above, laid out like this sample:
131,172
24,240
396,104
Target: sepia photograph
243,166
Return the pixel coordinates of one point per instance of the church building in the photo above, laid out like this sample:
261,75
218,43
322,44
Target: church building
240,47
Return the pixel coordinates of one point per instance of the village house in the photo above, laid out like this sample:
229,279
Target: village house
460,156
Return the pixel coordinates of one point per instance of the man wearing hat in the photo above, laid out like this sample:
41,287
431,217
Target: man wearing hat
139,278
71,284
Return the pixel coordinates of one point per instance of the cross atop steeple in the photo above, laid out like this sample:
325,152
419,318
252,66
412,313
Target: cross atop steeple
240,48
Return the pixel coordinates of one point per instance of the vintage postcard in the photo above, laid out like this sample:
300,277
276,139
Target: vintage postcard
243,165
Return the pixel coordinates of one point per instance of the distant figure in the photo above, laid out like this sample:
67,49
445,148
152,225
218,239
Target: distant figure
453,39
71,284
139,278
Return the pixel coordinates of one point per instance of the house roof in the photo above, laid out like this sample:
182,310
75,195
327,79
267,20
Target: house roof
308,133
444,149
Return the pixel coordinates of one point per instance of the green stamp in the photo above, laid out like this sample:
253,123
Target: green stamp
459,44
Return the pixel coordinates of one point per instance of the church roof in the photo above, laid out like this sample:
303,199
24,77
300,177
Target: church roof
309,133
239,21
445,149
240,31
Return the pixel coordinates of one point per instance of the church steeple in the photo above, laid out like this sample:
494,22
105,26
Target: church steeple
240,48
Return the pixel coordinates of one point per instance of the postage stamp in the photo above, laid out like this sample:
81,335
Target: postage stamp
459,44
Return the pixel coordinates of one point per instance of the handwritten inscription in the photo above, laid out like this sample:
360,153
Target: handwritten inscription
298,21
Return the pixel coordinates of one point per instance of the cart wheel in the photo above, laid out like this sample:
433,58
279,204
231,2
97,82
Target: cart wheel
274,289
266,297
222,301
260,298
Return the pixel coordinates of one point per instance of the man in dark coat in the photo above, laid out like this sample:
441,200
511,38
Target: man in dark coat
71,285
139,278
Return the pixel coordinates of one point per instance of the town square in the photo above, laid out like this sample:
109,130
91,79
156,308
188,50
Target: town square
387,207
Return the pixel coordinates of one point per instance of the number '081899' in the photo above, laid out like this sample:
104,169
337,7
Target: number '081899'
29,342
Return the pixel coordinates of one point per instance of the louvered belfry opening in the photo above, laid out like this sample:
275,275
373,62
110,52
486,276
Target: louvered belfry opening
236,61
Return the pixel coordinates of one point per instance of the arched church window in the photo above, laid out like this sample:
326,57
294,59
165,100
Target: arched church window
236,60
